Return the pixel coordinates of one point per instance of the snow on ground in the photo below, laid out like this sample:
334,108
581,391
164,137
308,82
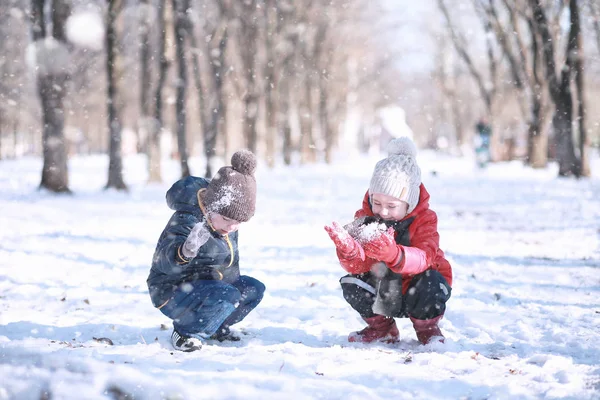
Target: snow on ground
523,321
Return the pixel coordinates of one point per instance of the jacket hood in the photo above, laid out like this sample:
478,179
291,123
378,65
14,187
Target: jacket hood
183,195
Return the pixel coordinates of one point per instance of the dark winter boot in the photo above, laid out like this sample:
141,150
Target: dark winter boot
428,329
225,334
185,343
381,328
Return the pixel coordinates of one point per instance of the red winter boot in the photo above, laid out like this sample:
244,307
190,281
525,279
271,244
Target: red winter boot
427,329
380,328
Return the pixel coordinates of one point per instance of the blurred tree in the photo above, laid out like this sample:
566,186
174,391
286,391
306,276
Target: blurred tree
594,9
52,77
486,84
248,15
13,98
180,9
271,28
114,101
145,79
560,88
154,150
289,39
525,68
197,56
214,18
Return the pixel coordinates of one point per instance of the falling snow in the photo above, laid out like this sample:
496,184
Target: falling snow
522,322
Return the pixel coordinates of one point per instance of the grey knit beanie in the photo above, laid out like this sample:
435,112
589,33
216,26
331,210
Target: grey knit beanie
232,191
398,175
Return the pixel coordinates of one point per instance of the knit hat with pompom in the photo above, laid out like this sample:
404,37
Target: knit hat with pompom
398,175
232,191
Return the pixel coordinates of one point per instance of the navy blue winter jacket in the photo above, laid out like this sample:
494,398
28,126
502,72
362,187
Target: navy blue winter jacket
214,259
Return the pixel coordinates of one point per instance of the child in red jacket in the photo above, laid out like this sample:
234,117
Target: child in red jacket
391,252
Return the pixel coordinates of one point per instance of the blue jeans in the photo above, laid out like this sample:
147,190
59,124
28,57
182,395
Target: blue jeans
202,307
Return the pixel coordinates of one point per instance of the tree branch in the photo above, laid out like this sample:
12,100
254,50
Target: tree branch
541,26
460,47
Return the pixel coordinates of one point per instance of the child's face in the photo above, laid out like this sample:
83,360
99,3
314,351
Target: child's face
388,207
224,225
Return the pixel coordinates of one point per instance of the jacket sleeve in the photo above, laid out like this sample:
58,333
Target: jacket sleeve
424,240
355,265
169,258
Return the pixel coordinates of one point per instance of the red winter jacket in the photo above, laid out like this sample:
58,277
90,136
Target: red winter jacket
423,251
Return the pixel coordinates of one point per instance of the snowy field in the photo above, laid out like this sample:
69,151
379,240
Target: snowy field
523,321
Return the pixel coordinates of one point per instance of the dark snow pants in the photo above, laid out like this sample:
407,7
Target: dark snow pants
425,298
202,307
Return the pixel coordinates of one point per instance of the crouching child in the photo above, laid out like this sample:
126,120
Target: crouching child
195,276
391,252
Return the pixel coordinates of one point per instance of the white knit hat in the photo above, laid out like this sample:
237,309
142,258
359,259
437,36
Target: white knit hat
398,175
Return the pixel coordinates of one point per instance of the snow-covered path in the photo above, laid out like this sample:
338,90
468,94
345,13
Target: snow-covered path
523,321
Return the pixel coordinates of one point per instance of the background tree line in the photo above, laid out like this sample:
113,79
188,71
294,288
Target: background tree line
532,79
284,78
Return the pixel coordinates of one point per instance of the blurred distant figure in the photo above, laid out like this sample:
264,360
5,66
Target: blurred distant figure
391,252
482,142
195,278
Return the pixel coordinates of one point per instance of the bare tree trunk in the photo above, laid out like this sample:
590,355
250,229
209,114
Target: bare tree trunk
248,44
560,91
115,162
250,120
218,116
307,145
562,122
180,27
270,89
284,111
202,109
16,136
578,69
145,124
283,115
326,132
3,38
51,90
154,153
284,108
322,60
537,144
450,107
457,122
595,11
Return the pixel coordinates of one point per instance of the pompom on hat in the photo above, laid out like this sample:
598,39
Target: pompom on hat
398,175
232,191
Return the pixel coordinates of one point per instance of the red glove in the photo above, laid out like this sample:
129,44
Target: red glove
346,246
384,248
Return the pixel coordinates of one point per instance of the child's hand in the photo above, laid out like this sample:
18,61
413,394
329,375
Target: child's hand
384,248
197,237
345,244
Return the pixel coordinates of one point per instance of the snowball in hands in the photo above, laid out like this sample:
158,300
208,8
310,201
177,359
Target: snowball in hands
197,237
